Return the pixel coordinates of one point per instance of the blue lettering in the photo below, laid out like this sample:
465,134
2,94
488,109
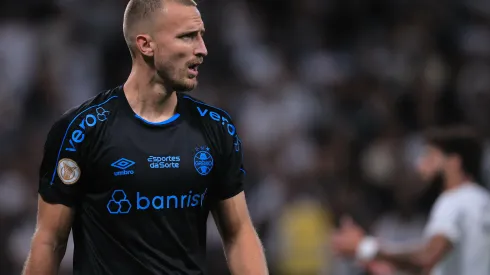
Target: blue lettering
215,116
182,200
94,120
124,173
82,125
139,199
169,165
77,136
175,199
155,199
203,194
195,200
72,149
155,202
231,129
203,113
189,198
164,162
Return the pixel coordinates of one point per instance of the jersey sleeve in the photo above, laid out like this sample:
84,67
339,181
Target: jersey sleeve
445,220
232,171
60,174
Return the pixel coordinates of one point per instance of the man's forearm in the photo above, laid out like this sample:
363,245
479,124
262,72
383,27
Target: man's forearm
410,261
402,257
44,259
245,254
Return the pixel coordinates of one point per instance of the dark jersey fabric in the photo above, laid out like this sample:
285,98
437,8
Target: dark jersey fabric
141,191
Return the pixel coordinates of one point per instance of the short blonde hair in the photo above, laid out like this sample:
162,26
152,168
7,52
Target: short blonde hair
140,10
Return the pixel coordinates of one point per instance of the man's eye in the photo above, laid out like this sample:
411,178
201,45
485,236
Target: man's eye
188,36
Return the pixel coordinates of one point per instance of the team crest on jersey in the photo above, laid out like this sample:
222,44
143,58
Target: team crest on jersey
68,171
203,160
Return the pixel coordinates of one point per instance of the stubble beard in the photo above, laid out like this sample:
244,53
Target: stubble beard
178,80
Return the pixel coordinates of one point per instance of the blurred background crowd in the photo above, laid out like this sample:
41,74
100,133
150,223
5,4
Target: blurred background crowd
330,98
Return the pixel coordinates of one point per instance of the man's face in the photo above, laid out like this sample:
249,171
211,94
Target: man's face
178,45
431,164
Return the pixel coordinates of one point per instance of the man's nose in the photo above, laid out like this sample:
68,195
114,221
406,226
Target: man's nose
201,49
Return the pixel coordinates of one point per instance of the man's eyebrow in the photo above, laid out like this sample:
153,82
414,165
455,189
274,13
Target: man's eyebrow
191,31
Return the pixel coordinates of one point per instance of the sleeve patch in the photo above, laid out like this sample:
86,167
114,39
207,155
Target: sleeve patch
68,171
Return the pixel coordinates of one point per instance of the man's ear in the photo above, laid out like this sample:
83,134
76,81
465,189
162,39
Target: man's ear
143,43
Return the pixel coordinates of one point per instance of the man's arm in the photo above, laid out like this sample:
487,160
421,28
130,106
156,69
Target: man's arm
50,238
351,241
442,230
242,246
60,189
423,259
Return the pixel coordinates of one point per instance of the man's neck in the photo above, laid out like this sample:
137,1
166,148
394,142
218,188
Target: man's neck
148,96
456,181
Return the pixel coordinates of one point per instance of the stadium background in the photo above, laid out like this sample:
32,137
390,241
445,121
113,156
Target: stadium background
329,97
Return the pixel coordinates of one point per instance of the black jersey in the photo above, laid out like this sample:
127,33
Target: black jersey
141,191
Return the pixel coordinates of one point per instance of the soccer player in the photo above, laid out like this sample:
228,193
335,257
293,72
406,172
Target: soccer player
135,171
458,230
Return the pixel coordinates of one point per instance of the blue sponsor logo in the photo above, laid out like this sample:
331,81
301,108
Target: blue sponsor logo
237,144
120,203
123,164
218,118
203,160
170,201
164,162
89,121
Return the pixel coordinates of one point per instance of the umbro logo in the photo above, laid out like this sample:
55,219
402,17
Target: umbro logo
123,164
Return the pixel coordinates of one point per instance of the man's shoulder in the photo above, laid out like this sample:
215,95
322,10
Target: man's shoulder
467,193
205,110
97,107
216,118
466,197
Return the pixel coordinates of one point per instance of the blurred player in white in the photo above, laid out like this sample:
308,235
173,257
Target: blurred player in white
457,235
